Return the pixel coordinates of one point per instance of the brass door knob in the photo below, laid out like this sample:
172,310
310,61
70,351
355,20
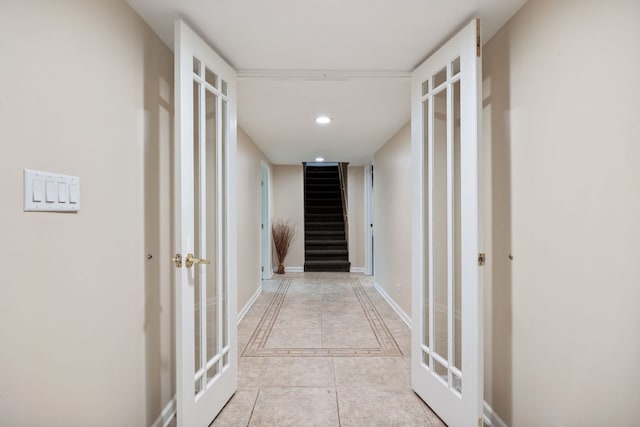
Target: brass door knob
191,259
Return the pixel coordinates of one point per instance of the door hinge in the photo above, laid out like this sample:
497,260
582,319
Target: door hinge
261,183
478,46
262,226
263,268
482,259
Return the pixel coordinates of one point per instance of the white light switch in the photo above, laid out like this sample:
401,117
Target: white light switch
63,192
50,192
38,190
73,194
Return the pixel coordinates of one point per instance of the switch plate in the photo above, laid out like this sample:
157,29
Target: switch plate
50,192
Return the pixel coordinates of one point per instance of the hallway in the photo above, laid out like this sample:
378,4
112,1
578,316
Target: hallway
324,349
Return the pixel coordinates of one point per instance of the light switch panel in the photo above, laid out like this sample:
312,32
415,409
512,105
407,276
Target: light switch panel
50,192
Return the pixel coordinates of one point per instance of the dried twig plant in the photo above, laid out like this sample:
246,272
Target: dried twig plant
283,234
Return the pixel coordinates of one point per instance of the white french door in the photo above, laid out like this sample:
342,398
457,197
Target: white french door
447,366
206,348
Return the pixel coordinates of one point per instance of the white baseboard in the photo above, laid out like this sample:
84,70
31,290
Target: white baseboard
357,269
294,269
491,418
271,273
400,312
249,303
166,415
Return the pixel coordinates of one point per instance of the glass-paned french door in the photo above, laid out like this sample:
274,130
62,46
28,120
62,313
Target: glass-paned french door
447,351
206,350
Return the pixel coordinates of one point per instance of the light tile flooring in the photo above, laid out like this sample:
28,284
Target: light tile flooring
323,349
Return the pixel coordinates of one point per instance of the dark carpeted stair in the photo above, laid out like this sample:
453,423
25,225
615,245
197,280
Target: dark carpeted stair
326,247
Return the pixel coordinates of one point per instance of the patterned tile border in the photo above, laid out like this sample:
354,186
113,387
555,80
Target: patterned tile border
256,345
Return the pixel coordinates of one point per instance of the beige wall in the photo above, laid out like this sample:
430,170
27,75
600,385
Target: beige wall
288,203
249,217
355,194
84,317
392,213
562,142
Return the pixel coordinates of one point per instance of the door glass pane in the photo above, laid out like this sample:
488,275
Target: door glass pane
225,283
457,384
196,67
212,232
427,255
224,87
457,236
197,288
212,371
455,66
211,77
440,224
425,87
425,358
440,77
441,371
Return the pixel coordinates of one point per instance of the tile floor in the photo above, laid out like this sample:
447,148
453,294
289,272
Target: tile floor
317,359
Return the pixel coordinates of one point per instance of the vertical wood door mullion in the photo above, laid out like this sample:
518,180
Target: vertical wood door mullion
199,243
430,172
450,228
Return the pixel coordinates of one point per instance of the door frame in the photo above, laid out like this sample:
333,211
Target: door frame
369,210
265,221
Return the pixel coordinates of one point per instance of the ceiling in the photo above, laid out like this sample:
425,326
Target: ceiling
348,59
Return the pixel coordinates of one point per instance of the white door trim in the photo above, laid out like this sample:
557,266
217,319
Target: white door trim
265,220
368,218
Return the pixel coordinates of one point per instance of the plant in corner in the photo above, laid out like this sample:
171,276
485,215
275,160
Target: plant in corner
283,234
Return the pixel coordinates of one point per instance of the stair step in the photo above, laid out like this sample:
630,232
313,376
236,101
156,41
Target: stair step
324,226
314,185
326,252
322,179
324,234
312,195
323,217
326,242
324,202
341,247
327,266
320,209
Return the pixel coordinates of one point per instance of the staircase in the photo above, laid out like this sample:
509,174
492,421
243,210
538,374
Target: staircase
325,237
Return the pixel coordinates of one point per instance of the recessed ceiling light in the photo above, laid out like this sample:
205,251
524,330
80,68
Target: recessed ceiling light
319,159
323,120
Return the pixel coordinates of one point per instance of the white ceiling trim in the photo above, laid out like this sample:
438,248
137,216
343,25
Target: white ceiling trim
322,74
